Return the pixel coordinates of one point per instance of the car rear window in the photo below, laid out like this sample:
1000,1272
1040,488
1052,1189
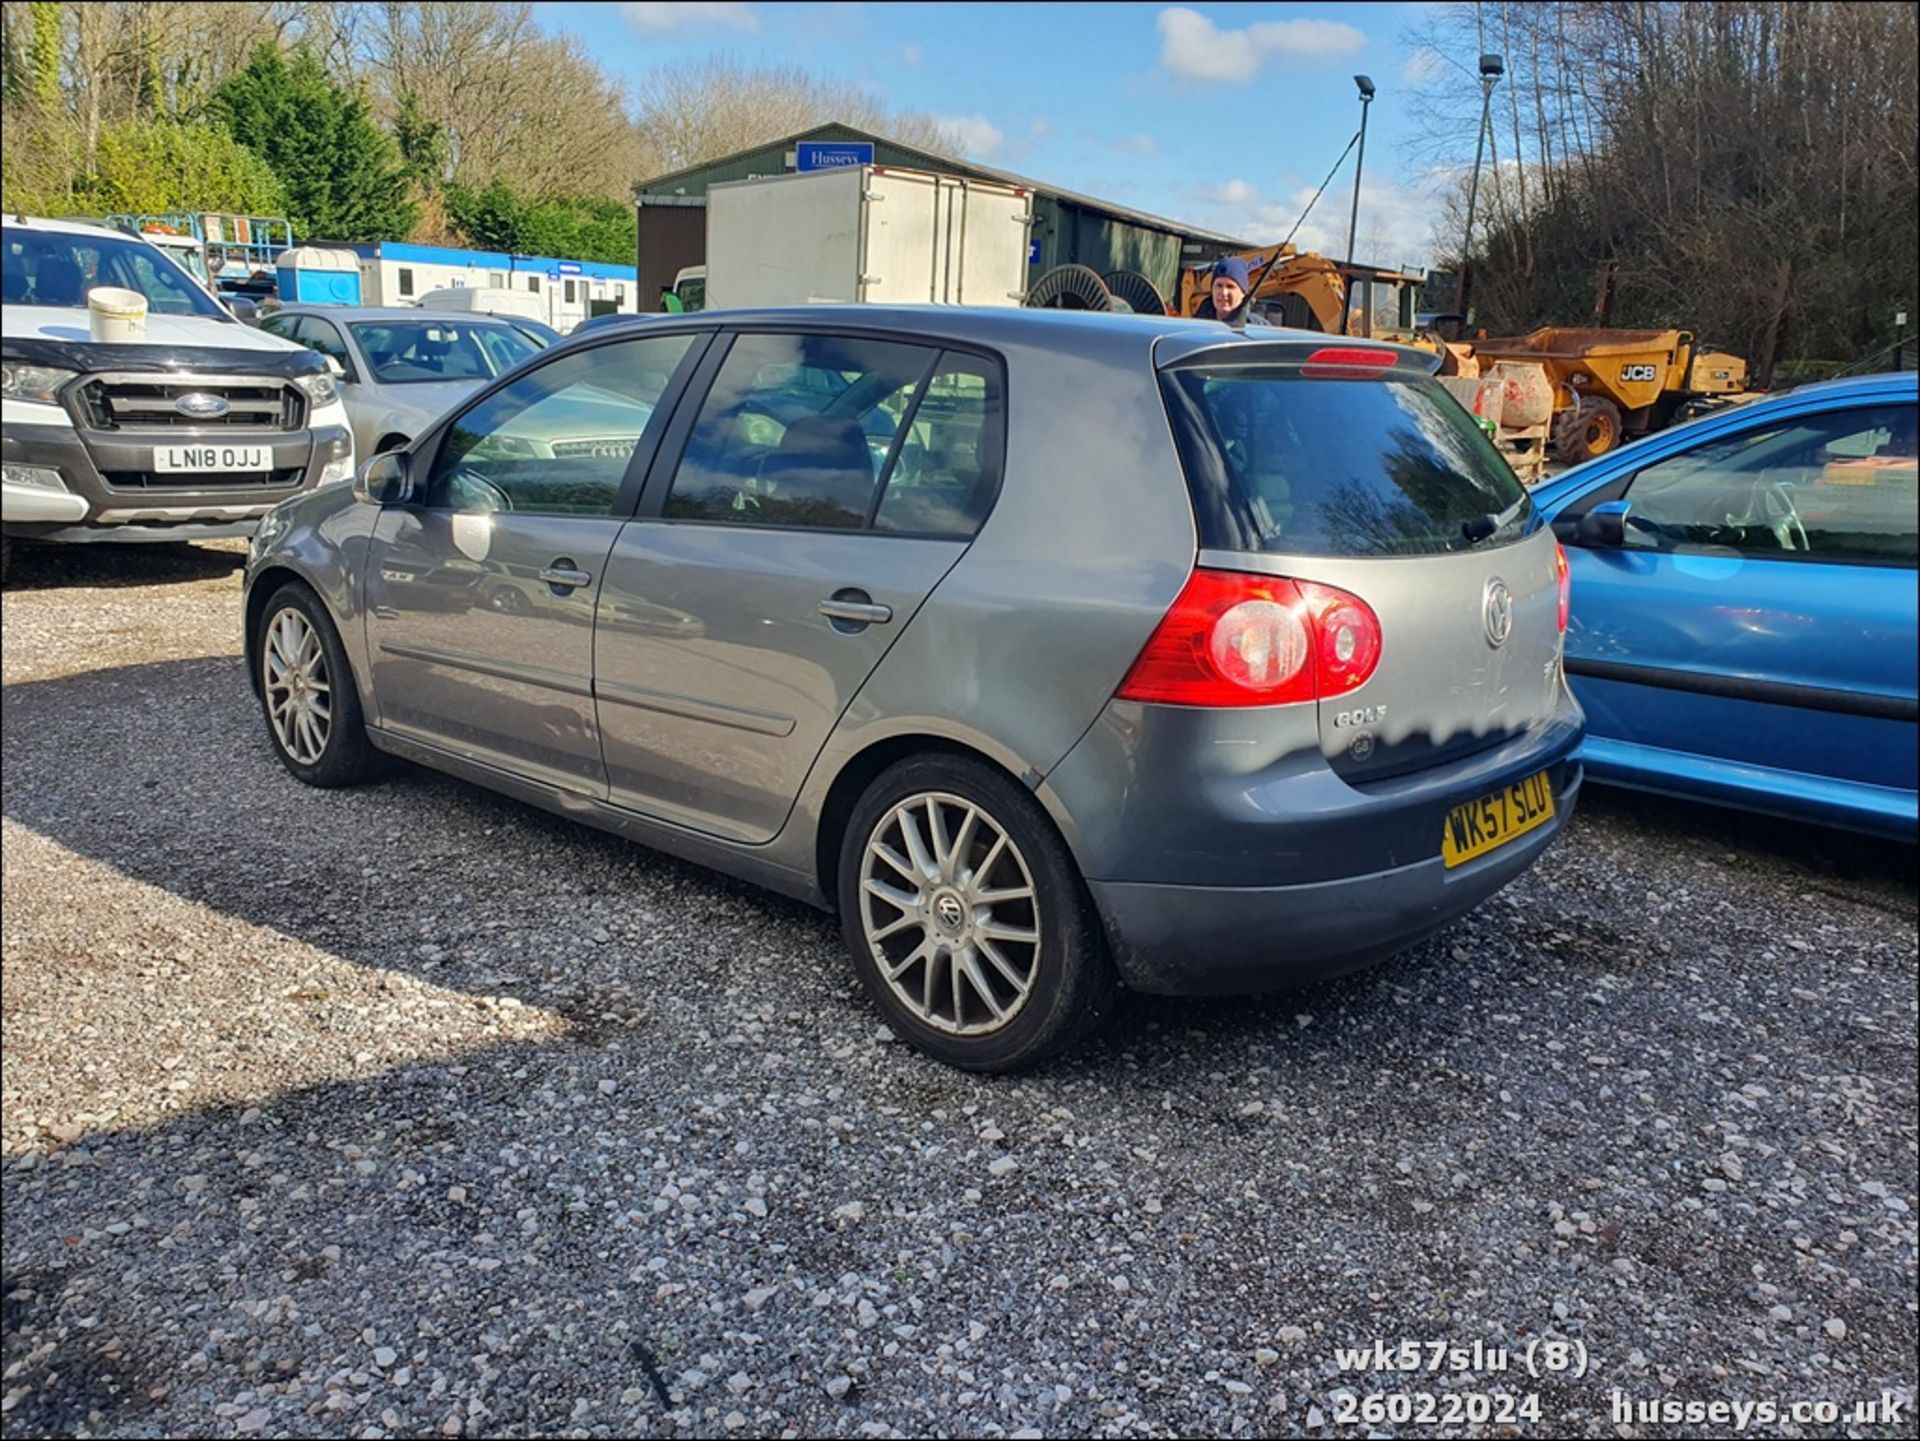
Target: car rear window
1387,465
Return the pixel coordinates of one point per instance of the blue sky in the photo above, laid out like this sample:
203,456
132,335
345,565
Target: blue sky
1222,115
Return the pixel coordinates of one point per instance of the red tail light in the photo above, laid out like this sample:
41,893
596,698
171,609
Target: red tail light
1563,579
1237,639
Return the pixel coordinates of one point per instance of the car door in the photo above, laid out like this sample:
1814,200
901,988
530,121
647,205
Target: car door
1761,611
821,491
481,593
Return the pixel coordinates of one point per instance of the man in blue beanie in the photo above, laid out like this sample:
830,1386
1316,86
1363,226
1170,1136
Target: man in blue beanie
1228,300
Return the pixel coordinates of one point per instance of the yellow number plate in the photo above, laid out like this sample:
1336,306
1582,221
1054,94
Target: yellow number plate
1490,822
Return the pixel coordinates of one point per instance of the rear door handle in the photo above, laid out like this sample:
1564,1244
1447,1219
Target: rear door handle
562,575
859,612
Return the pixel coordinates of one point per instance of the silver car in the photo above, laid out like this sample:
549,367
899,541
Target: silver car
1058,652
400,369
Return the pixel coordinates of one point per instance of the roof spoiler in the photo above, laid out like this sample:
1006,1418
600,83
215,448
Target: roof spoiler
1295,350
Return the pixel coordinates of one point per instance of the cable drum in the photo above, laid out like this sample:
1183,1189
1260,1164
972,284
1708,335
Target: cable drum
1069,287
1140,294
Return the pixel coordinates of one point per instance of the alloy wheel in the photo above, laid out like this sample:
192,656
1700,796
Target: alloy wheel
949,913
293,666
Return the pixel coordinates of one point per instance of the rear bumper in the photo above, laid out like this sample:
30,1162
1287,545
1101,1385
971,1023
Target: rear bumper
1226,855
1214,940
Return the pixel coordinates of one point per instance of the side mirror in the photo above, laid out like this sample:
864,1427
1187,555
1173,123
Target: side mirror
335,368
244,310
1605,526
387,479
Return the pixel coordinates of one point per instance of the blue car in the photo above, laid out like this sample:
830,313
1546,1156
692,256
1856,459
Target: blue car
1743,626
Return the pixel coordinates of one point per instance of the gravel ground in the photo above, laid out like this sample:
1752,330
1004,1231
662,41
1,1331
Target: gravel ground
412,1111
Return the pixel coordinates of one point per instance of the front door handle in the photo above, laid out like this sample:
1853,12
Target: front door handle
565,575
856,612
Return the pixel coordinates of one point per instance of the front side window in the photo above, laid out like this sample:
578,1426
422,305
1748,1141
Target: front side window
402,352
797,430
56,268
1840,486
323,336
557,440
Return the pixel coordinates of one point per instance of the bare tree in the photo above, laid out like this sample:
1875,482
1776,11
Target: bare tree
689,114
1695,149
513,103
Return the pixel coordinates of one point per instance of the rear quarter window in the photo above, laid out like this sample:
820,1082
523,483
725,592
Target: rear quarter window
1377,466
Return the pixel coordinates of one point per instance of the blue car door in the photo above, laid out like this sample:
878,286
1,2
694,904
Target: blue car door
1758,612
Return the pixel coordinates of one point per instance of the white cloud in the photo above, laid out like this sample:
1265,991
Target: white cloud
910,54
974,135
1424,65
690,15
1041,128
1234,192
1140,144
1193,48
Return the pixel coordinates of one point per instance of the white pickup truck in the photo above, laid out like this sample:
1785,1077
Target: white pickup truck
192,432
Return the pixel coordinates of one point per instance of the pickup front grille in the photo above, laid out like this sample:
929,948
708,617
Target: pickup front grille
130,402
283,479
610,448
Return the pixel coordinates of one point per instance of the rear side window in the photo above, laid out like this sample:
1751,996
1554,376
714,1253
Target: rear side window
1380,466
947,459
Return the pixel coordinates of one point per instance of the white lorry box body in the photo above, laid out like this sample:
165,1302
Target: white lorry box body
867,234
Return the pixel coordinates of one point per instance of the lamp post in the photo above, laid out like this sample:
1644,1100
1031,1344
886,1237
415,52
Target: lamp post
1365,85
1492,67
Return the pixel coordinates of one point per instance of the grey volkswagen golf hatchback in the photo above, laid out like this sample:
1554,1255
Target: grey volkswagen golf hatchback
1057,652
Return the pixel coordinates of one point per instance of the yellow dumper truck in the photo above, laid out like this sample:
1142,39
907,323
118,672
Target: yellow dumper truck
1615,385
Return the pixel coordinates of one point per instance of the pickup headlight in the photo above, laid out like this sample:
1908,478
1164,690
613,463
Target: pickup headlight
320,389
34,382
335,448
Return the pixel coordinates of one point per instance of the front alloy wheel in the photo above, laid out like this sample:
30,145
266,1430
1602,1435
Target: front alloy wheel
299,695
307,691
947,907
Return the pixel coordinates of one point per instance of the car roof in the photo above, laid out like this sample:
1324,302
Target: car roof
1877,383
982,324
71,227
1166,338
392,312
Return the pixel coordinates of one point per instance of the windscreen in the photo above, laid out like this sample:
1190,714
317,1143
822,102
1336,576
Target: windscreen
58,268
403,351
1387,465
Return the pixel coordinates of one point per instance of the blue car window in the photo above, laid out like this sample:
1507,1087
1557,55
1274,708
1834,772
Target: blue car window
1839,486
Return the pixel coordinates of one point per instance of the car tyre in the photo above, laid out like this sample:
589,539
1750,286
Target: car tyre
307,692
975,934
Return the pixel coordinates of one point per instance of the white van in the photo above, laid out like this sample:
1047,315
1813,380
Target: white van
485,300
